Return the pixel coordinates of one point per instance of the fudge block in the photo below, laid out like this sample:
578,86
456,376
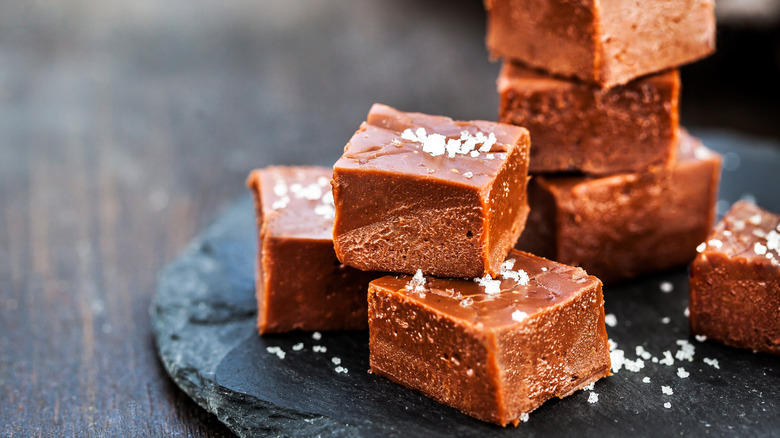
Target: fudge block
301,285
493,349
605,42
581,128
735,281
621,226
415,191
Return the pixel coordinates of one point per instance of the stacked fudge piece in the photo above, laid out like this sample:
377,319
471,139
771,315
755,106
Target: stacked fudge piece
618,188
426,197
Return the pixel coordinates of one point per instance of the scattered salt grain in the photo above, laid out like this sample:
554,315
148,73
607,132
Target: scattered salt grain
702,246
715,243
667,390
755,219
524,417
666,320
520,276
336,360
701,338
681,373
468,175
298,346
518,315
491,286
668,360
666,287
646,380
277,351
417,283
593,397
319,349
712,362
466,302
668,405
641,352
280,188
687,312
610,319
341,370
589,387
685,352
759,249
316,336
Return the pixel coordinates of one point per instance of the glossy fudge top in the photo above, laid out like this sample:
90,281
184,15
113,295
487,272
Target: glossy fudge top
469,153
296,201
746,231
526,286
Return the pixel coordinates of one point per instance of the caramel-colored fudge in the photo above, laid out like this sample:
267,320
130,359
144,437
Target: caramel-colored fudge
581,128
605,42
735,281
301,285
493,349
415,191
621,226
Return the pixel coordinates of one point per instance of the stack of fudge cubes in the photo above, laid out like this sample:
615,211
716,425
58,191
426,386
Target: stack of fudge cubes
618,187
462,316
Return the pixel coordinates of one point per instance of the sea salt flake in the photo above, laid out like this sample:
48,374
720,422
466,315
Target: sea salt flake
593,397
715,243
435,145
417,283
681,373
468,175
316,336
668,359
341,370
686,351
666,286
687,312
518,315
474,154
759,249
773,240
277,351
319,349
589,387
298,346
490,156
466,302
668,405
336,360
667,390
701,338
755,219
281,203
280,188
491,286
712,362
646,380
524,417
702,246
641,352
396,142
610,319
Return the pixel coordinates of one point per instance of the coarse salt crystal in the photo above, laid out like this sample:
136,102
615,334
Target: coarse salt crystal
755,219
518,315
280,188
341,370
668,360
466,302
336,360
474,154
316,336
759,249
468,175
298,346
491,286
646,380
773,240
641,352
524,417
686,351
702,246
666,287
277,351
281,203
417,283
668,405
715,243
701,338
667,390
666,320
681,373
610,319
319,349
711,362
593,397
589,387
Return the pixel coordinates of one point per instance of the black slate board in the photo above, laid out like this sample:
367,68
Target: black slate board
204,322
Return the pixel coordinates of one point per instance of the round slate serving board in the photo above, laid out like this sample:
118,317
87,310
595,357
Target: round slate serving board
204,322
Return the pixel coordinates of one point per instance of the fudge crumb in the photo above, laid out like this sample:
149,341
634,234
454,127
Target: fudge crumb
417,284
712,362
667,390
316,336
277,351
593,397
610,319
702,246
666,287
319,349
341,370
298,346
491,286
646,380
668,405
681,373
336,360
518,315
701,338
524,417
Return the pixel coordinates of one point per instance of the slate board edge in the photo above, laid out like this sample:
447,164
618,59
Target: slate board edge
206,393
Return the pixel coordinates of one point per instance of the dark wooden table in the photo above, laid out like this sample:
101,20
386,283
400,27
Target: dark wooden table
127,126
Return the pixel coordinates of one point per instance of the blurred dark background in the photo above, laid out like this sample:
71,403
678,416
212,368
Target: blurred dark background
126,126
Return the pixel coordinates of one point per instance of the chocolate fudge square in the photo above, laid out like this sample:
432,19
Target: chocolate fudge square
735,281
301,285
495,349
415,191
581,128
620,226
605,42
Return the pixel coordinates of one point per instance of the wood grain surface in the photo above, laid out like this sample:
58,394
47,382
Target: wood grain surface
125,127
